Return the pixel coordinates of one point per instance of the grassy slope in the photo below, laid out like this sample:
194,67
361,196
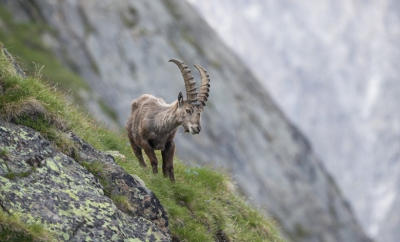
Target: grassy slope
201,204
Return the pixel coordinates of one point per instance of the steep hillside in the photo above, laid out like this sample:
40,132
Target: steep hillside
332,66
122,49
55,186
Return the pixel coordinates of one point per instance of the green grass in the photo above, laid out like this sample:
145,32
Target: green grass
13,230
14,175
201,204
122,203
4,152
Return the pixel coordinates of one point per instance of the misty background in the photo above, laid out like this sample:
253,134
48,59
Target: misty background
304,103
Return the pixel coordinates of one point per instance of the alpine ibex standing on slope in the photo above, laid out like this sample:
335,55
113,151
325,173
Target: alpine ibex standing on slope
153,123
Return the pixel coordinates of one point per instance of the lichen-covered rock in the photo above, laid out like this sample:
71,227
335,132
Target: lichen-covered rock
143,201
40,184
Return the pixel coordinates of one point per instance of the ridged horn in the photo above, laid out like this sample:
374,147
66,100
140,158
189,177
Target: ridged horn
205,85
190,84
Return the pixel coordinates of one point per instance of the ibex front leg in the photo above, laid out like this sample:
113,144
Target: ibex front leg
152,156
137,151
168,159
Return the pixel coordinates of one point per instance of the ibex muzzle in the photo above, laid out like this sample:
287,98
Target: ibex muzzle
152,124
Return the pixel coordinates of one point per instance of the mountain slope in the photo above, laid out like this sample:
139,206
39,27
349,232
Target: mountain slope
333,68
122,49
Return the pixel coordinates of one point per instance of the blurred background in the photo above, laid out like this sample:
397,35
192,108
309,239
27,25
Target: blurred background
304,103
333,68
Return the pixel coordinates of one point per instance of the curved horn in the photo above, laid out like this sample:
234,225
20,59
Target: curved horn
190,84
205,85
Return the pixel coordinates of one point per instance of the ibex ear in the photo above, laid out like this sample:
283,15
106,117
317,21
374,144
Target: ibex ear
180,100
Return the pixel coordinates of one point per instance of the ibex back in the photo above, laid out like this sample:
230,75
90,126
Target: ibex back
152,124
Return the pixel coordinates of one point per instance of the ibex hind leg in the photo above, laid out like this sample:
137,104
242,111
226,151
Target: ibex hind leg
138,153
168,159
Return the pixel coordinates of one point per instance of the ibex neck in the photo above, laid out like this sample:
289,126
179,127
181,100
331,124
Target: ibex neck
168,117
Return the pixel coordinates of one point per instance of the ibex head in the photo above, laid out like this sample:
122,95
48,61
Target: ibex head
190,109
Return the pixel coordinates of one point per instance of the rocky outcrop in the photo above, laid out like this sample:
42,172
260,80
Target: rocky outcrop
39,183
122,49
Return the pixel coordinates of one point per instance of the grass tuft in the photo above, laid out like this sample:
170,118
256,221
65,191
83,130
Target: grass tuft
97,168
122,203
18,108
14,175
12,229
4,152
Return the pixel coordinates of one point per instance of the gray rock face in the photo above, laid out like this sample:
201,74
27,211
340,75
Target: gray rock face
122,49
45,185
333,68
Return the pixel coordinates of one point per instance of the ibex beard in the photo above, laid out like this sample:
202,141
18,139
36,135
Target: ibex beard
152,124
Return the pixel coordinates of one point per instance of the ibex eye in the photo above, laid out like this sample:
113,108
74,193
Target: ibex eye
188,111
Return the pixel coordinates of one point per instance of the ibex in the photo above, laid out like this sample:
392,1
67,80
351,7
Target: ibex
152,124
